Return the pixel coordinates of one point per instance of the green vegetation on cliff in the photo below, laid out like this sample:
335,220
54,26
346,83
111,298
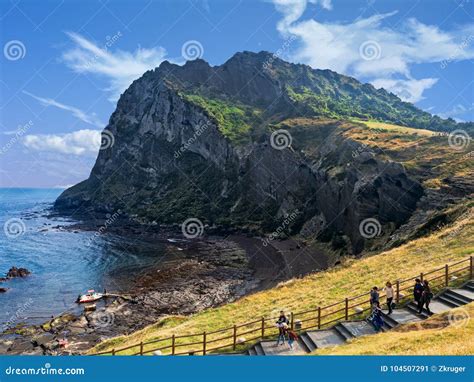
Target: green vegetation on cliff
235,120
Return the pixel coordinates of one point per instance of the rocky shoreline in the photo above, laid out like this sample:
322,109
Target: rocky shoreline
215,270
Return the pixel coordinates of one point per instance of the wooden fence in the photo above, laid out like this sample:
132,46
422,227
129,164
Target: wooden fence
231,339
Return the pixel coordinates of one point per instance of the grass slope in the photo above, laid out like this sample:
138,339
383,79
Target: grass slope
442,334
352,277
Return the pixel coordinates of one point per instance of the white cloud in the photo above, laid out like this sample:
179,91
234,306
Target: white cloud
370,51
91,119
466,111
119,68
409,90
81,142
292,10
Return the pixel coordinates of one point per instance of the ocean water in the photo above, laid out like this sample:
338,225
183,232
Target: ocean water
63,263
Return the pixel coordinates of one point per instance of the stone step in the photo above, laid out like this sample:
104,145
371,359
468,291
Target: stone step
270,348
259,349
405,315
251,351
457,297
346,334
412,308
307,342
448,301
358,328
389,321
469,286
326,338
467,294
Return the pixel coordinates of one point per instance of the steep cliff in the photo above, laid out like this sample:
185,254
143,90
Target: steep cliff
256,144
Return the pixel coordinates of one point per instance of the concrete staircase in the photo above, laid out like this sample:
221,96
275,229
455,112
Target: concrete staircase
343,331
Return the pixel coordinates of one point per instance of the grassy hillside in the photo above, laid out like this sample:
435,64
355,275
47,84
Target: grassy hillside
425,154
352,277
445,334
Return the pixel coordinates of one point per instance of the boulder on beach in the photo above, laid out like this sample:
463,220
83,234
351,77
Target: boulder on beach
17,272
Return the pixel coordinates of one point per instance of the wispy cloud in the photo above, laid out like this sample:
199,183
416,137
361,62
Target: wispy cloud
81,142
368,50
119,68
91,119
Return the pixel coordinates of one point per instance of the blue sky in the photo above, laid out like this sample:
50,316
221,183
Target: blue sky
65,63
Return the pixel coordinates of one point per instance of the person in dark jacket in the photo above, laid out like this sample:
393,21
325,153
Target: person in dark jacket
418,292
426,297
374,296
282,319
377,319
282,324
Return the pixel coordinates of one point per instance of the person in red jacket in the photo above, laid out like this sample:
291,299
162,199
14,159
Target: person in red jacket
292,337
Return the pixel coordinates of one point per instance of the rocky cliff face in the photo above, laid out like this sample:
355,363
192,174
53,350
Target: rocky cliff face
196,142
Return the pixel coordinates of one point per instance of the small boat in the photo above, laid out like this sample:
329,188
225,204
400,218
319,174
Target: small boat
90,296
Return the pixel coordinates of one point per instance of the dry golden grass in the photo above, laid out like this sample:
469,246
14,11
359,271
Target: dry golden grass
399,129
449,333
352,277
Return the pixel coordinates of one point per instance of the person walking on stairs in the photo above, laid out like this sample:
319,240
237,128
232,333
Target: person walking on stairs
283,319
282,329
426,297
376,318
374,296
418,292
282,324
292,337
389,293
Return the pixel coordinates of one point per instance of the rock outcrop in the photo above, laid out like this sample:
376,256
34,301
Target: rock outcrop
196,142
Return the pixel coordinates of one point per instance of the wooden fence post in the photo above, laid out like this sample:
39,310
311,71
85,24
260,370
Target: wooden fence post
113,351
319,317
235,336
141,348
397,298
421,276
291,320
173,344
471,270
204,343
263,327
446,275
347,308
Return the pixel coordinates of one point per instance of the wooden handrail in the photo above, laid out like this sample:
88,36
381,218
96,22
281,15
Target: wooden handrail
318,317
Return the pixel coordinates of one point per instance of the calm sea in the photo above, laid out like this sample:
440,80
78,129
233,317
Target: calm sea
63,263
